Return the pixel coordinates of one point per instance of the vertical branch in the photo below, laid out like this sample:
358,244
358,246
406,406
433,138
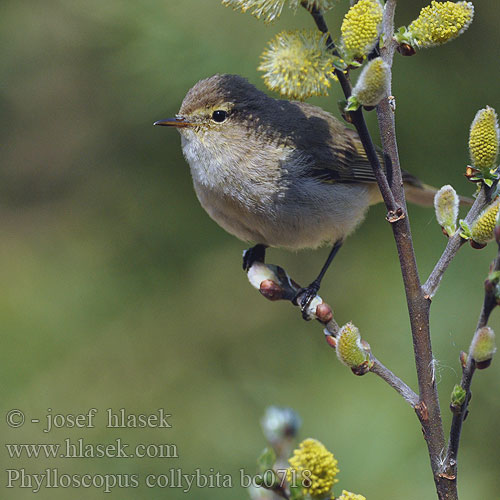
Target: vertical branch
428,410
449,469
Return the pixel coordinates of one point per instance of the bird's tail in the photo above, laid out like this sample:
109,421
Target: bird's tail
423,194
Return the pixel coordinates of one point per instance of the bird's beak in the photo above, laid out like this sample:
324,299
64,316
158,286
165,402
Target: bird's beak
178,122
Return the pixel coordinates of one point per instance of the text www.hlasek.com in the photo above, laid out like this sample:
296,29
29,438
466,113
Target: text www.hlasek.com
80,449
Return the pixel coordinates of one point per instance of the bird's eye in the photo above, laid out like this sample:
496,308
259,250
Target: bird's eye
219,115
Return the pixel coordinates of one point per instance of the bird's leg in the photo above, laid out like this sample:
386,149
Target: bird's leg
254,254
311,291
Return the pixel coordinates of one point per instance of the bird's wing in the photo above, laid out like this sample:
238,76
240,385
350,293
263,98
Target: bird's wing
343,159
336,152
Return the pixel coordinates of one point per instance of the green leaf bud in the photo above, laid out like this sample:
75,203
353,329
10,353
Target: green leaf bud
446,205
458,396
484,139
350,349
372,85
266,460
483,346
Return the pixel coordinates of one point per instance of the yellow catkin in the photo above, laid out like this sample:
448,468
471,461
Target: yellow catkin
483,139
297,64
361,28
270,10
440,22
347,495
314,465
483,226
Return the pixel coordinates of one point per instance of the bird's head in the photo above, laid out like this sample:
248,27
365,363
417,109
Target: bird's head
217,105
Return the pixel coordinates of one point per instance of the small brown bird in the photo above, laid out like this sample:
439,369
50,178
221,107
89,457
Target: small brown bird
277,173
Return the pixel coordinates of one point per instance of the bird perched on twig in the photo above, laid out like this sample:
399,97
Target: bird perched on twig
277,173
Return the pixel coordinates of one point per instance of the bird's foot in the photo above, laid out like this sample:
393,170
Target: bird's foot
254,254
306,295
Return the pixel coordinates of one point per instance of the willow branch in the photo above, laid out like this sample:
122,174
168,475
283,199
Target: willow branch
428,409
454,244
275,284
449,469
395,382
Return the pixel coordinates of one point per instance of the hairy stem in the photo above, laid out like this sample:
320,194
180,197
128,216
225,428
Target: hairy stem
395,382
283,287
449,469
428,409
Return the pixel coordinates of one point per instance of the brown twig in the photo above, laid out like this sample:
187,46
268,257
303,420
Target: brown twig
455,243
275,284
395,382
449,468
428,410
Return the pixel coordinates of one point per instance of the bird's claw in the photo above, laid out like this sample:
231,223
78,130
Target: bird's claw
306,296
253,254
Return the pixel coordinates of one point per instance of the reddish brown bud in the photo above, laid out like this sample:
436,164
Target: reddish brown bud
463,359
481,365
362,369
476,245
489,286
471,172
324,313
271,290
406,50
331,341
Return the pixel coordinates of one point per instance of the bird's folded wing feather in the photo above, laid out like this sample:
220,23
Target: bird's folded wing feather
337,154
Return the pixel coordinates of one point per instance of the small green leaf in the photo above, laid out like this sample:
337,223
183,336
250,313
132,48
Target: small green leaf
401,36
494,276
466,232
340,63
352,104
341,103
355,64
296,492
458,396
266,460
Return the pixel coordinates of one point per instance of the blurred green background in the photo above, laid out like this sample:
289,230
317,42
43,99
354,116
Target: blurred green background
119,291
